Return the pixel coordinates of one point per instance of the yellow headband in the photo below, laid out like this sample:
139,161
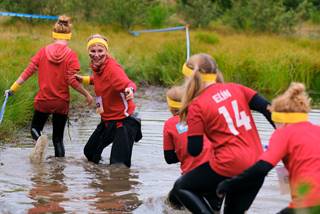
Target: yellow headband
283,117
209,78
99,41
63,36
173,104
15,87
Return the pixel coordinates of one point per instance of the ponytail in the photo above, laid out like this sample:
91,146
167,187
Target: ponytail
193,88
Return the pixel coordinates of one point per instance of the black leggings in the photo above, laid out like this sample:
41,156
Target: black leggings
191,188
121,133
212,199
58,123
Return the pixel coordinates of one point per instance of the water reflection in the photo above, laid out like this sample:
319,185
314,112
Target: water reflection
48,187
115,188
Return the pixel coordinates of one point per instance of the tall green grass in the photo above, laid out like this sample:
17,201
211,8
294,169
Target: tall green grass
267,63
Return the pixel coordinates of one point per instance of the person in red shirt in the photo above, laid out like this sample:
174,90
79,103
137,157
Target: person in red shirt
296,143
56,64
222,112
175,146
114,99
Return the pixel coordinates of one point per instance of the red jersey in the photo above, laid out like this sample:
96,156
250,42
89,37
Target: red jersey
175,138
298,146
221,112
56,64
109,84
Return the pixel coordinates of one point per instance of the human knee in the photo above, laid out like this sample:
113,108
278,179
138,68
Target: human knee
177,186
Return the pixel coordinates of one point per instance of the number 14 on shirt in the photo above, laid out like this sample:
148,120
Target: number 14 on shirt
241,118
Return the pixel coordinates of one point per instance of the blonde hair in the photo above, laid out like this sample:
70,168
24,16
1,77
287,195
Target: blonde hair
199,63
175,93
97,36
63,25
294,99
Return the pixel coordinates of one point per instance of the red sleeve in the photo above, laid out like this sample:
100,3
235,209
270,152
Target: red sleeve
119,78
33,65
248,92
277,150
73,67
168,143
194,120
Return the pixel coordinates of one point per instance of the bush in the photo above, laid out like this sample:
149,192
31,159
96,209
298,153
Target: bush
123,12
199,12
256,15
157,15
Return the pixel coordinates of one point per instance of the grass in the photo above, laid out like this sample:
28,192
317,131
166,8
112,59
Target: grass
267,63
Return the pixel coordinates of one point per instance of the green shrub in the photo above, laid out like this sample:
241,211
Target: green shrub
256,15
157,15
199,13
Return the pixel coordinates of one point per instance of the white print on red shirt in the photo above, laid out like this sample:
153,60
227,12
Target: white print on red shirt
221,96
242,119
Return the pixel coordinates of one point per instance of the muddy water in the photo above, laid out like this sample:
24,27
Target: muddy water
72,185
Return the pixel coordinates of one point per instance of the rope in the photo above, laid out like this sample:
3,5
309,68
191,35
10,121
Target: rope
33,16
3,107
186,28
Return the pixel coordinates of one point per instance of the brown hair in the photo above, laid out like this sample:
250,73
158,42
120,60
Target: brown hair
63,25
175,93
294,99
199,63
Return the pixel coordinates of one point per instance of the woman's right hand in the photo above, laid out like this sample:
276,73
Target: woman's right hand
89,99
78,77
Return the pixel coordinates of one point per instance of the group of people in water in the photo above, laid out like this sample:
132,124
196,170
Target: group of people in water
213,135
211,132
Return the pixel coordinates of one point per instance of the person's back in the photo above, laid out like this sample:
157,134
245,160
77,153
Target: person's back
56,65
229,126
299,144
175,138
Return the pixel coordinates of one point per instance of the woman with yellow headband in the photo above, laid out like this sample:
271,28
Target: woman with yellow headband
175,146
114,99
56,64
297,143
222,113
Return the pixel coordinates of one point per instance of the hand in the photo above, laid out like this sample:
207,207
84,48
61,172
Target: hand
129,93
9,92
223,188
89,99
78,77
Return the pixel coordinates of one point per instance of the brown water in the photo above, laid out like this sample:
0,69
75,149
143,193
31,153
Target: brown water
72,185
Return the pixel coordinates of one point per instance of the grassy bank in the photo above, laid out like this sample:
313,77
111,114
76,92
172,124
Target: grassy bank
267,63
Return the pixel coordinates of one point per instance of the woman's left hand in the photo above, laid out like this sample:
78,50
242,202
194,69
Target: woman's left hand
222,188
129,93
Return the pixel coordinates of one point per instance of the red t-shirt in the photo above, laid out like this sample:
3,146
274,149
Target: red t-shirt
56,64
175,138
298,146
109,84
222,113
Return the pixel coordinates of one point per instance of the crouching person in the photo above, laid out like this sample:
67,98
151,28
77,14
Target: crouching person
114,98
